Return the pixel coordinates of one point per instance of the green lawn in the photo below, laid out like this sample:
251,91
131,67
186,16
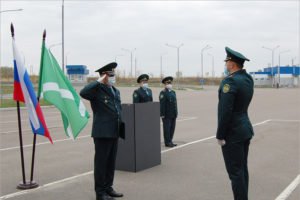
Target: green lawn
7,89
7,103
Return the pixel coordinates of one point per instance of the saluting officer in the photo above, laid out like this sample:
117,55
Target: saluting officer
106,105
144,93
234,127
168,111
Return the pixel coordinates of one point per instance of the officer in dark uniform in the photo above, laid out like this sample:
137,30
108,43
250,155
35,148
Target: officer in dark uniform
234,127
168,111
144,93
106,105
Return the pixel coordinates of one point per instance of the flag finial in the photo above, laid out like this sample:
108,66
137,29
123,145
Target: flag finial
44,34
12,30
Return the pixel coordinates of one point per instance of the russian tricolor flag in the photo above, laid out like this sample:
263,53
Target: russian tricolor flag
24,92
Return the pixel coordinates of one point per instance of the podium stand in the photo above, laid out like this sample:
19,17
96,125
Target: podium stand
141,148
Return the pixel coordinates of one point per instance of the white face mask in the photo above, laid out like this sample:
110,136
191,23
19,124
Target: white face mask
226,72
111,80
145,85
169,86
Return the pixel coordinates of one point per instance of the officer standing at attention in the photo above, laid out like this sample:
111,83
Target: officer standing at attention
168,111
144,93
106,105
234,127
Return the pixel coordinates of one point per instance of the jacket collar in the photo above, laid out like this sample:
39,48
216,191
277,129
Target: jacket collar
107,89
241,71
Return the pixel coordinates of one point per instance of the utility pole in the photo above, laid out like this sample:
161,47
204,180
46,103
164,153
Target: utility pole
202,77
63,37
178,72
278,68
272,74
131,57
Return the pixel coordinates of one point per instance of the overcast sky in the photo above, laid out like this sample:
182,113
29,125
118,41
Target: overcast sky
95,32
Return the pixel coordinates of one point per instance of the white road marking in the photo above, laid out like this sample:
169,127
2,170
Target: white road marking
288,191
42,143
15,121
263,122
208,138
187,119
284,120
44,186
188,144
26,130
67,139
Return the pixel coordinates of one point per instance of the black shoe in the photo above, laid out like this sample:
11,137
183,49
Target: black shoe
113,193
174,144
169,145
104,197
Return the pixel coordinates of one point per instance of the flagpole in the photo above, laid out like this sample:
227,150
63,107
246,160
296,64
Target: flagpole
23,185
32,182
63,36
34,135
21,147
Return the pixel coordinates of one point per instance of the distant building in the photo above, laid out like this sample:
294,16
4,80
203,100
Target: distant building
288,76
77,73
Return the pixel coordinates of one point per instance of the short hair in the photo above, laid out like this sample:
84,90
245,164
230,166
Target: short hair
239,65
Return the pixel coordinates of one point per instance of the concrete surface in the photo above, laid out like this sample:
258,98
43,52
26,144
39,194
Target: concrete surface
194,171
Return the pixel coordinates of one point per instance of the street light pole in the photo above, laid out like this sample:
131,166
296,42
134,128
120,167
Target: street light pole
135,68
131,56
202,50
294,70
293,58
278,68
53,45
63,36
67,58
178,48
161,65
213,63
67,63
272,50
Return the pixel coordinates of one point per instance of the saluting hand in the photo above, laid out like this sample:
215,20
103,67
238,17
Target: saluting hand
100,79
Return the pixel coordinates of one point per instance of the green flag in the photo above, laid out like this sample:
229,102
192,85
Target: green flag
55,88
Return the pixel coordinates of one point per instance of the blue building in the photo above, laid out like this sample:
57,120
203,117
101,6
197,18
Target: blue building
77,73
288,76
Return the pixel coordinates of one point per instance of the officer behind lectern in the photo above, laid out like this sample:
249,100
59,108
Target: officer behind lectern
144,93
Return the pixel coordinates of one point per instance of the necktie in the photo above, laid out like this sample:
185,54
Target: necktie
113,92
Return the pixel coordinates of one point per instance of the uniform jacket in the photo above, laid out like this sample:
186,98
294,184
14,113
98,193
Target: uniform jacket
140,95
106,109
168,104
235,95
